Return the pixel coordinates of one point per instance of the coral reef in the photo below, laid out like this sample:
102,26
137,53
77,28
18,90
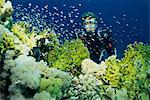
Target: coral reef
26,78
35,66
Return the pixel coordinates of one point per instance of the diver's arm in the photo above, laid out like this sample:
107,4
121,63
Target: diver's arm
80,35
110,46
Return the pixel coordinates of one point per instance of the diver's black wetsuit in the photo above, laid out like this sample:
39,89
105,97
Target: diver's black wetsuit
97,42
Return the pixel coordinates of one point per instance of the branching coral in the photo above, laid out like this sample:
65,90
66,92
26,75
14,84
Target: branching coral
20,30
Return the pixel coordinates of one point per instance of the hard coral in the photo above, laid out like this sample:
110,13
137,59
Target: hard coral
84,87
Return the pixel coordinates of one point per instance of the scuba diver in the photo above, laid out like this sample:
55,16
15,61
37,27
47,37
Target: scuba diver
99,43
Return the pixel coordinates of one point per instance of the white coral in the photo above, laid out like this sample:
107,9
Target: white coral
90,67
26,72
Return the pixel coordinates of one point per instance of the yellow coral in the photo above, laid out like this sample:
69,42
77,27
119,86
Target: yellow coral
2,2
20,32
8,40
112,74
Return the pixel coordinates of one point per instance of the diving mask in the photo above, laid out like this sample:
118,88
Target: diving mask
90,24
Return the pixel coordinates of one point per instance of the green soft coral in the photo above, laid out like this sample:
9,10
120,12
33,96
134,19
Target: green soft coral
69,55
133,65
52,86
55,73
44,95
6,39
124,72
113,74
54,81
142,64
131,72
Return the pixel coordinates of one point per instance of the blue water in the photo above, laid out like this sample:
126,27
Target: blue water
128,19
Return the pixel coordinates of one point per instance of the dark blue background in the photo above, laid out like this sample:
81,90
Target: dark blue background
134,12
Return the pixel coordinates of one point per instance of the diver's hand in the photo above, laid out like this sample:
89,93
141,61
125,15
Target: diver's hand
82,38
